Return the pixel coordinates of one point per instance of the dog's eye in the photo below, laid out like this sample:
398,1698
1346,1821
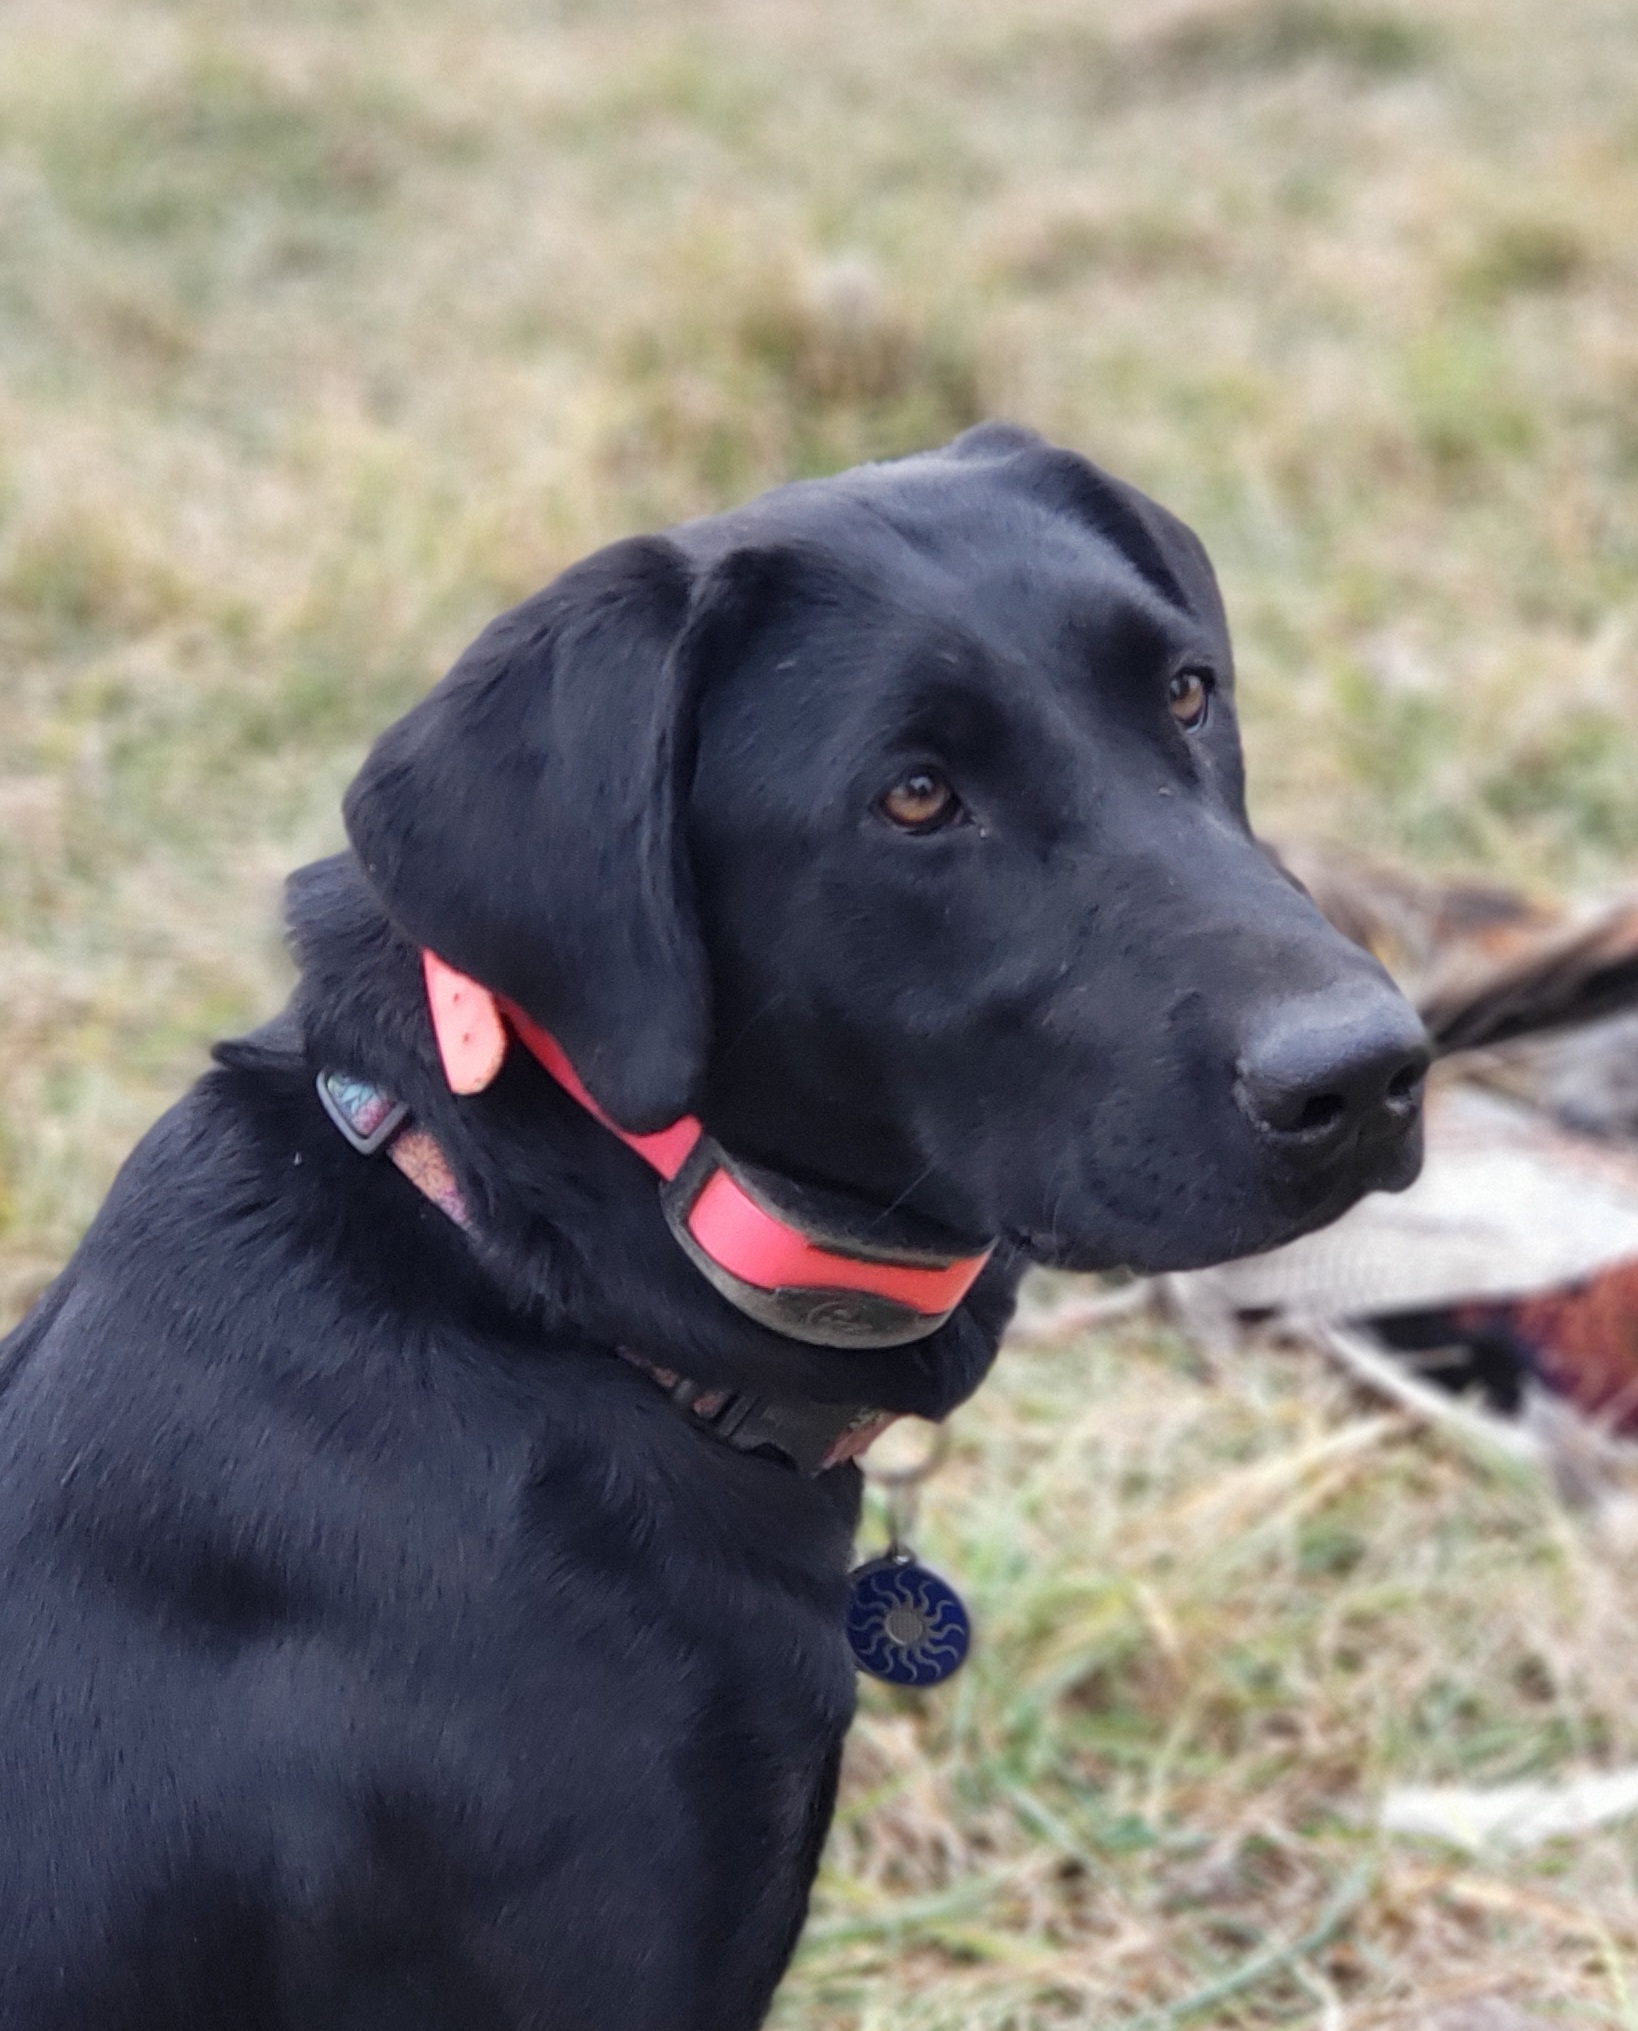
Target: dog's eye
921,801
1189,695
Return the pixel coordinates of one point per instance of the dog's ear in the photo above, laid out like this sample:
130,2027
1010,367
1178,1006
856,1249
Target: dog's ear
525,823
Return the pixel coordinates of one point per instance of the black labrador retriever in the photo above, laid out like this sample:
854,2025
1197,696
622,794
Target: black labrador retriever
425,1502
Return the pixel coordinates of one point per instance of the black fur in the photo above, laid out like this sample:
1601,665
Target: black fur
380,1649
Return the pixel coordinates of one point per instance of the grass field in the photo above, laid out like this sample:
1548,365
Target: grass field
327,328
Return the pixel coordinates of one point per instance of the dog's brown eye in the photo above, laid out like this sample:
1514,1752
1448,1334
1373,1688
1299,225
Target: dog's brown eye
1188,695
921,801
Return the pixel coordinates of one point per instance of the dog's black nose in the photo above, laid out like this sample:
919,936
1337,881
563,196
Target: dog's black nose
1327,1067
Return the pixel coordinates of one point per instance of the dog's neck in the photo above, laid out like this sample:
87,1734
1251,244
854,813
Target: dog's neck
566,1220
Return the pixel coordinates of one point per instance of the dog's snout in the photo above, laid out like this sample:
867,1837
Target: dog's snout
1335,1066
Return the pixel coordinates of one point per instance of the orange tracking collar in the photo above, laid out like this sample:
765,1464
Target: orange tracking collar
788,1257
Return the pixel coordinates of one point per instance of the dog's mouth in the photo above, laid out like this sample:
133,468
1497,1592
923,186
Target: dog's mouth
1292,1200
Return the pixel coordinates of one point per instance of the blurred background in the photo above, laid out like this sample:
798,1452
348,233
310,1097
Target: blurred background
327,329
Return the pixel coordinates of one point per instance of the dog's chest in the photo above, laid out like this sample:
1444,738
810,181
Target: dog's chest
632,1729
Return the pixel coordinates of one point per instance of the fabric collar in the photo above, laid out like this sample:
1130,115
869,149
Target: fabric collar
809,1437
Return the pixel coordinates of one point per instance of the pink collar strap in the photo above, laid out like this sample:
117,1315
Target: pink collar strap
785,1256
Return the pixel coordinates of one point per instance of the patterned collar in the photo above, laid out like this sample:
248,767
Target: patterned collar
806,1436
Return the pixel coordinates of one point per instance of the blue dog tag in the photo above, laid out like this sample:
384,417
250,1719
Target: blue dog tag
905,1624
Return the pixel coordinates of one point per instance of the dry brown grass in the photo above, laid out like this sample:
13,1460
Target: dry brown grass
325,330
1217,1620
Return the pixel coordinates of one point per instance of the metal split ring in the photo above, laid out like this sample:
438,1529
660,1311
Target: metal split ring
918,1471
901,1490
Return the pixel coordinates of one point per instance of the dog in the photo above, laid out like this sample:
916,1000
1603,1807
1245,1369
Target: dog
427,1493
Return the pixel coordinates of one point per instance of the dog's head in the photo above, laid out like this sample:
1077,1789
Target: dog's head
894,825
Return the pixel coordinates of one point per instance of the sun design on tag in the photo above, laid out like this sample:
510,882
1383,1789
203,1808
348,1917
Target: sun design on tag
905,1624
